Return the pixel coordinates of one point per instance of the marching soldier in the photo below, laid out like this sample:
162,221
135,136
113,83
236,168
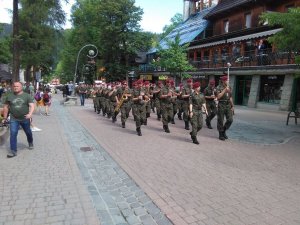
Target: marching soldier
138,107
186,93
174,98
196,102
156,92
179,102
225,107
210,97
166,105
147,93
123,103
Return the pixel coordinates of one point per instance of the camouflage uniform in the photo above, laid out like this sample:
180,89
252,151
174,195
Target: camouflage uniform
179,101
125,107
196,100
210,104
187,90
156,98
224,110
166,107
139,110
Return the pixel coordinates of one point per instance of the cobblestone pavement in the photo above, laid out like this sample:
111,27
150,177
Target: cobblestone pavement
253,178
54,194
44,185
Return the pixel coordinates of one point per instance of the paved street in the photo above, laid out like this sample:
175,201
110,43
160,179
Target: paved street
159,178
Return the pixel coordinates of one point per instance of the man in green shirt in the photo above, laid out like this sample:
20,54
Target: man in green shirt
20,106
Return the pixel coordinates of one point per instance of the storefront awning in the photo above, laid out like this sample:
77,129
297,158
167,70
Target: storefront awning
207,44
256,35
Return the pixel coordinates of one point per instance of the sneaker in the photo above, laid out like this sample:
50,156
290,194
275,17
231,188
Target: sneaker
30,146
35,129
11,155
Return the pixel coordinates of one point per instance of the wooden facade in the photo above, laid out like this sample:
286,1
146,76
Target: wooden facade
235,34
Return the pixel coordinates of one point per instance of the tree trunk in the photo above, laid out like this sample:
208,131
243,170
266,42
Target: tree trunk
16,45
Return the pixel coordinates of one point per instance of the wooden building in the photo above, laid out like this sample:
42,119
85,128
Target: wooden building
261,75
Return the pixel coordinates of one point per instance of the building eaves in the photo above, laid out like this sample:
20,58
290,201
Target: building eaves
225,6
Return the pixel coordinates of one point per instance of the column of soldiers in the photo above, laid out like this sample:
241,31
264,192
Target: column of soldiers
166,101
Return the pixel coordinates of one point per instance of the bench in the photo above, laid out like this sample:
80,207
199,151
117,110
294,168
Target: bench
293,114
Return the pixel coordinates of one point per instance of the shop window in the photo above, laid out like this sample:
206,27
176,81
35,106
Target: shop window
248,20
271,89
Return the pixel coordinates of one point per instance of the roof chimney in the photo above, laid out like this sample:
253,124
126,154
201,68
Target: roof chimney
186,9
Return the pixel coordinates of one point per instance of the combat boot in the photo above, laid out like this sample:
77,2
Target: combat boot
173,121
187,127
167,129
221,137
123,124
208,124
158,116
179,116
138,130
145,122
147,115
195,141
114,118
224,134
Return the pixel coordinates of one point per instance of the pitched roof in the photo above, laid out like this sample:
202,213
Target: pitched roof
188,30
225,5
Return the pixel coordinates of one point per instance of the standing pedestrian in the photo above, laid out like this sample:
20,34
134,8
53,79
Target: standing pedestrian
21,107
225,107
82,91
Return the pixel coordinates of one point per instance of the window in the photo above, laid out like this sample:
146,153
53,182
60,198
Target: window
271,89
226,26
248,20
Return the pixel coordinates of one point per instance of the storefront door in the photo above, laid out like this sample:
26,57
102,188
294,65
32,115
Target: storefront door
243,86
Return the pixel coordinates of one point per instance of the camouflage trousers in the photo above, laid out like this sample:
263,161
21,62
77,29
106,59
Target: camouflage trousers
139,112
196,122
211,109
167,113
224,111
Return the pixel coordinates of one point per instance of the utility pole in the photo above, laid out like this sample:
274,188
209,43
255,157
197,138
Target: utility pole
16,43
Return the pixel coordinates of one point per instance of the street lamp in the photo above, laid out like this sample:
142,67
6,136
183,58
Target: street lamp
92,53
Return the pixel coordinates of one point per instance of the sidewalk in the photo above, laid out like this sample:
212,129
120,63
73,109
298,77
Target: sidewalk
43,186
69,179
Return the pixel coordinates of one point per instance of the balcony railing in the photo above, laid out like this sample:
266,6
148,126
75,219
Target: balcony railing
250,58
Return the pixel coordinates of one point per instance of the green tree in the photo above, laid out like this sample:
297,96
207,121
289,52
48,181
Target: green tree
120,37
175,21
39,24
5,52
288,38
174,58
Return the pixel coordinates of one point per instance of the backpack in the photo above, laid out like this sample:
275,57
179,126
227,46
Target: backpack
37,96
46,97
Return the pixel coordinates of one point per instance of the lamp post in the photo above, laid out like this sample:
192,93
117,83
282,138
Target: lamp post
92,53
